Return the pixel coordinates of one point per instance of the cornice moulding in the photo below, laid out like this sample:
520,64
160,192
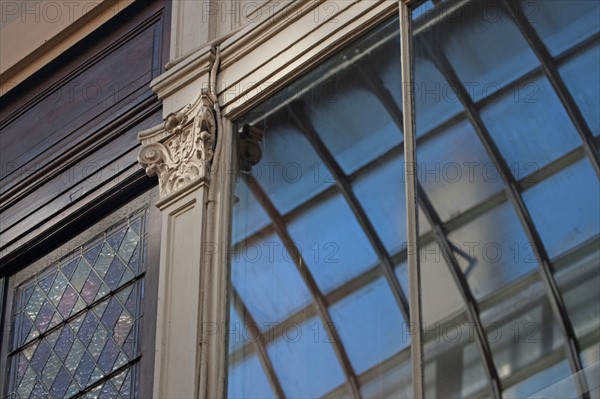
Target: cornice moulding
234,46
179,76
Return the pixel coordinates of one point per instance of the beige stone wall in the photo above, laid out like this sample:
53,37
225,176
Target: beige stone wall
34,32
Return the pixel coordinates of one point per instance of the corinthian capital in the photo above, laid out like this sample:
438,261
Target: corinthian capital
181,151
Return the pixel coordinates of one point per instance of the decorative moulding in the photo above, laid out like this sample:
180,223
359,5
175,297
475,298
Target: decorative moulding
180,152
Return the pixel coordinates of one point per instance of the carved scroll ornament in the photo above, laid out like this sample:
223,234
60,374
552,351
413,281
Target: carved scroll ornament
182,151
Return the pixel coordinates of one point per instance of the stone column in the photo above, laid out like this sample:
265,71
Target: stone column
180,153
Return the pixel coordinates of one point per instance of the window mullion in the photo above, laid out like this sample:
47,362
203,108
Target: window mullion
410,179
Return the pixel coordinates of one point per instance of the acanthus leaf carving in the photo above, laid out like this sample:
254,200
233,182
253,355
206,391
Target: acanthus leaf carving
182,151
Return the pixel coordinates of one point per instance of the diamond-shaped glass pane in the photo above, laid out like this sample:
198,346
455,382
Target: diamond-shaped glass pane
75,322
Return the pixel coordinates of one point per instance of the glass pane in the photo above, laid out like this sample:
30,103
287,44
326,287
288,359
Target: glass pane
290,172
249,218
453,365
369,321
436,278
578,283
456,172
468,35
250,380
497,248
522,331
76,317
537,122
476,45
543,380
381,199
395,381
435,99
563,23
333,256
583,80
345,117
267,280
341,124
304,360
565,208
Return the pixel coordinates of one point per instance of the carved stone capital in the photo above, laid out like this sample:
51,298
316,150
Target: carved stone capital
181,151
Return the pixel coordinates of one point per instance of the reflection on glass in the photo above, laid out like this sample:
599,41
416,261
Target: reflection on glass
536,121
562,24
306,266
247,379
381,199
522,330
435,100
342,124
456,172
573,215
458,46
393,380
333,256
267,280
453,365
353,169
557,374
581,77
437,278
467,34
578,282
370,332
290,172
304,360
497,248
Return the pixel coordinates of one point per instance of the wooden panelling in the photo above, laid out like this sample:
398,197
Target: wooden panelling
68,135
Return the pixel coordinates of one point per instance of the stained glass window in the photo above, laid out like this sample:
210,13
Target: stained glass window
76,323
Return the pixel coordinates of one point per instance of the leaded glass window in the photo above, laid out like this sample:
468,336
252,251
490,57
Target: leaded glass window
76,322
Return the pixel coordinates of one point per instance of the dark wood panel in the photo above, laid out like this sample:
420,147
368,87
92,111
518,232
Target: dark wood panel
90,137
82,176
107,83
59,134
108,175
67,224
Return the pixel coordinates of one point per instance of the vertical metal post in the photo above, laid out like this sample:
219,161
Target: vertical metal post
410,177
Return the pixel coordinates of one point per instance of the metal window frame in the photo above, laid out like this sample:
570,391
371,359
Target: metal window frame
412,211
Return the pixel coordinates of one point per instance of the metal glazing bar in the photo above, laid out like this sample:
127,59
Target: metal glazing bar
107,378
332,297
320,302
551,72
516,200
453,224
410,181
500,295
75,315
343,183
259,343
431,134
